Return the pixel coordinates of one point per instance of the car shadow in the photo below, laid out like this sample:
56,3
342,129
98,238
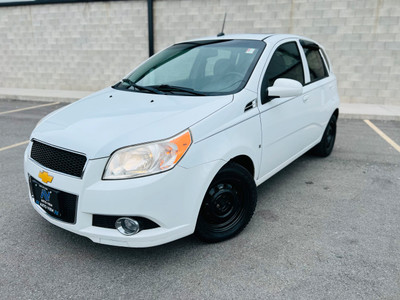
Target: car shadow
72,244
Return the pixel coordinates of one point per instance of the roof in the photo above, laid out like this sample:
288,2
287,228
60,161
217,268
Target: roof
250,36
245,36
267,37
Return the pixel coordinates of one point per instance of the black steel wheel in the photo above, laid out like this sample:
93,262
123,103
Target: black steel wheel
228,205
325,147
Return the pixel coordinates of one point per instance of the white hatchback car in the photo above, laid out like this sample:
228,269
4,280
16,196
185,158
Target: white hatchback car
180,144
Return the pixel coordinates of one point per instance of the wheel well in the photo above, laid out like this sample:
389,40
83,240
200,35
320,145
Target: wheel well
245,162
336,113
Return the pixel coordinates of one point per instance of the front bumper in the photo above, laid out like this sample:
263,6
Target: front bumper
171,199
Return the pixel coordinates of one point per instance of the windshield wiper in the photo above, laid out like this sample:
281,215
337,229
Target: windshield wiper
174,88
140,87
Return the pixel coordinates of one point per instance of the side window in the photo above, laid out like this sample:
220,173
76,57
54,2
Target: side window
285,63
326,59
315,64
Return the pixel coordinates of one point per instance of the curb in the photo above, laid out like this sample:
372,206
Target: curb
358,111
350,116
43,95
369,111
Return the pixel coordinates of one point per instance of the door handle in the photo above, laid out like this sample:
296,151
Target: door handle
306,98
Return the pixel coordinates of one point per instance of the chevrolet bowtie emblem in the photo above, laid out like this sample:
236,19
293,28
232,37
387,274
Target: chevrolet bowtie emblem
45,177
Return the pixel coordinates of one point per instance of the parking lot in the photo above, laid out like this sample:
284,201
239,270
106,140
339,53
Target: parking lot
323,229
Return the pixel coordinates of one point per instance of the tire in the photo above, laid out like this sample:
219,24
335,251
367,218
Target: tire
324,148
228,205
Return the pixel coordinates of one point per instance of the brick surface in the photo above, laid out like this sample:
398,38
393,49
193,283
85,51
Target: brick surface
83,46
87,46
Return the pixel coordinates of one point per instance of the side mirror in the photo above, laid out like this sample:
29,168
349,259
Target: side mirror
284,87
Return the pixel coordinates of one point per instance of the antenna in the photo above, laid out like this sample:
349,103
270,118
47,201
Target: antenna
223,25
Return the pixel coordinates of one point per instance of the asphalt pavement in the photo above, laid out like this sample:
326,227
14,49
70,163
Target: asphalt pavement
323,229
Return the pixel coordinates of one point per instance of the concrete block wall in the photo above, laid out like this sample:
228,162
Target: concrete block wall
87,46
361,37
80,46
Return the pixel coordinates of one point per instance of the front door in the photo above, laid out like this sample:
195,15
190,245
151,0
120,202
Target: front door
285,121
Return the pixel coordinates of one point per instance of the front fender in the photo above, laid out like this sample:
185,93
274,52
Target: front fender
243,138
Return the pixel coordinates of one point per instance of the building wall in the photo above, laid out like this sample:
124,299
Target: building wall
87,46
81,46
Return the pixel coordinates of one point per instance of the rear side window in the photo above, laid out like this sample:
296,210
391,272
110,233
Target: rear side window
315,64
285,63
326,59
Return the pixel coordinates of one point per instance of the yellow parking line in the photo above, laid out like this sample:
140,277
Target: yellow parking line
383,135
13,146
28,108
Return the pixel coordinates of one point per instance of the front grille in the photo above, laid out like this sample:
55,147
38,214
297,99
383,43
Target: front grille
58,159
109,222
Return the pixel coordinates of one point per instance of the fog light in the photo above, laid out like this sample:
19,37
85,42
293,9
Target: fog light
127,226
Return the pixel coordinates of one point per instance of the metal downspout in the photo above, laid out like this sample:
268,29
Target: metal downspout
150,26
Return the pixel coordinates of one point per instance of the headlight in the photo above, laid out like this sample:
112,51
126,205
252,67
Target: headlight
146,159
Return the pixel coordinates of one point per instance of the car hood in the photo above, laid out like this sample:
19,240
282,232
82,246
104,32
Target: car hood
110,119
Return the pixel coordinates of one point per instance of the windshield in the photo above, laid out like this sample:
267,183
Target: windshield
216,67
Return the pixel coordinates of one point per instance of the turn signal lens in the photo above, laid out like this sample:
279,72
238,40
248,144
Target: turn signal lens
182,143
147,159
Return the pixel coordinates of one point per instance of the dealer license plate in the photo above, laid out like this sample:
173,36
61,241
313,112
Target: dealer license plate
46,198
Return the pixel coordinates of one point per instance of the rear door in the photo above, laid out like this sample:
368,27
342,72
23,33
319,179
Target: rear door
316,89
284,121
